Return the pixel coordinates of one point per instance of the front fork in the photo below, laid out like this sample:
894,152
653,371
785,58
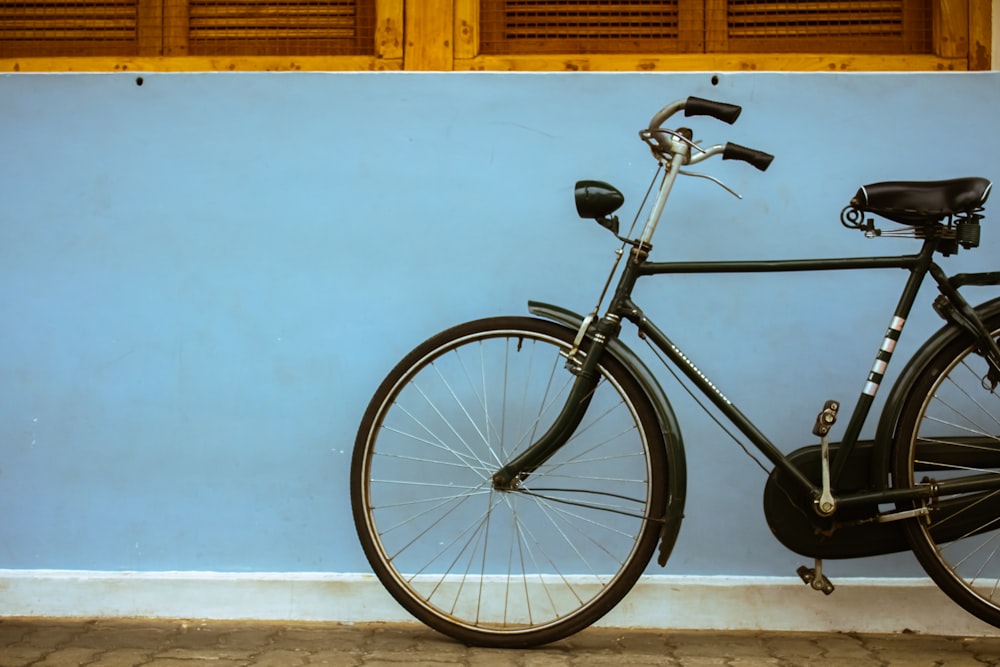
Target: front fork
583,364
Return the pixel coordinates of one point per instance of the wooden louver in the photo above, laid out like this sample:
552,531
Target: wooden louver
856,26
261,27
61,27
177,27
578,26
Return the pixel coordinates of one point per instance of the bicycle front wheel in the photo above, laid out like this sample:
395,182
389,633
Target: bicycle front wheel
506,568
950,431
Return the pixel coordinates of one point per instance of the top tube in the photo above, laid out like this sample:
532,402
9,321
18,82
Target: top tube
786,265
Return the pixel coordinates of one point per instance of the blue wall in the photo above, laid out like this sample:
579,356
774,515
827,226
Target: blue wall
204,278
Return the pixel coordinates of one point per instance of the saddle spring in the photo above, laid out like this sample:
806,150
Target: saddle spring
962,229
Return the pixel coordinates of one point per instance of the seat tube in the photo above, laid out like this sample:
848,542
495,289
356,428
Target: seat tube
882,358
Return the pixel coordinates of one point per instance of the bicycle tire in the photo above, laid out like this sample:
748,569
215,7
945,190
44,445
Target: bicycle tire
949,428
505,568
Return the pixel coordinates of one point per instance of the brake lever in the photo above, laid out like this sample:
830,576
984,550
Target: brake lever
714,180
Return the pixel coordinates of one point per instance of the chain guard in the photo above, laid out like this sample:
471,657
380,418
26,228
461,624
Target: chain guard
793,522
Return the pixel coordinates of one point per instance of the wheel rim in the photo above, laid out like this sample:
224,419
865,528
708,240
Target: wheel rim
492,561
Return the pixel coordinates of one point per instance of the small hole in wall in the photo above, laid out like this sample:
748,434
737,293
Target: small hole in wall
138,81
715,79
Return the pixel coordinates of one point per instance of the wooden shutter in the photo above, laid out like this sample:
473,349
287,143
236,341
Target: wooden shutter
178,27
845,26
280,27
68,27
580,26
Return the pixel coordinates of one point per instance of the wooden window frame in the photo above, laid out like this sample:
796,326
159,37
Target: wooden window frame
962,41
443,35
163,46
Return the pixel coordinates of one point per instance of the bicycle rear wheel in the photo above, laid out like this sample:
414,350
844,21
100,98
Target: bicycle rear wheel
950,430
509,568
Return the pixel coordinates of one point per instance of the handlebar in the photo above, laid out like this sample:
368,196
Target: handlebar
753,157
727,113
676,149
696,106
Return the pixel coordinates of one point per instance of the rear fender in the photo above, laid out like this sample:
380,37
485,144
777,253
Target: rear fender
677,468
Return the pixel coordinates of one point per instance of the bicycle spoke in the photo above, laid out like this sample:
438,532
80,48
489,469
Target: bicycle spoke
541,561
426,530
606,508
440,501
440,444
600,545
448,423
416,459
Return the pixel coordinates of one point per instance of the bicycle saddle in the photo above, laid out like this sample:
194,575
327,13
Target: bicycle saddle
922,202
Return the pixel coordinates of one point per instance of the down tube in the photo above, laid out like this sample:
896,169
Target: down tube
760,441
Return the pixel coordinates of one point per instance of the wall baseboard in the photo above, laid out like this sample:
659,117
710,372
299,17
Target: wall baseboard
692,603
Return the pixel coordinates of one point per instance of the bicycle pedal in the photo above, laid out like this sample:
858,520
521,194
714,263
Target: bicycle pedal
816,581
826,418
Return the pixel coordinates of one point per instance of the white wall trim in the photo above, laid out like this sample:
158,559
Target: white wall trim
701,603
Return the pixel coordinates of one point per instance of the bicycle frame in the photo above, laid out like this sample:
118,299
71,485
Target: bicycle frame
623,307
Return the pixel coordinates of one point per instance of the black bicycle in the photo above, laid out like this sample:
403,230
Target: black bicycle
513,476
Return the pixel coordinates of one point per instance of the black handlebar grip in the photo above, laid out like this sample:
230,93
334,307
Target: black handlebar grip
759,159
696,106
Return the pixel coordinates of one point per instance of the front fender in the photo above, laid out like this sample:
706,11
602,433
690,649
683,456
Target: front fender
885,433
677,468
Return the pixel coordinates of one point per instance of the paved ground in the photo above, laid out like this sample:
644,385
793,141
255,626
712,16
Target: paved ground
158,643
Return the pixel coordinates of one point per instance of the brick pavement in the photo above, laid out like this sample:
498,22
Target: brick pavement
174,643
